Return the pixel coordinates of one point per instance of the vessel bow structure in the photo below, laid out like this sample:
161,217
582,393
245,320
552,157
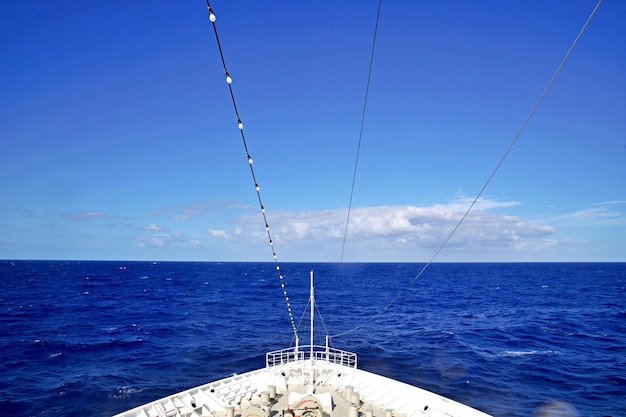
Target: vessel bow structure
306,381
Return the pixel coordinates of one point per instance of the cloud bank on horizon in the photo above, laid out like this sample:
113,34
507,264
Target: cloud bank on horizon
410,233
380,233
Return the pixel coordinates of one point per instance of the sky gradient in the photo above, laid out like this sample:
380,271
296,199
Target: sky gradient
118,138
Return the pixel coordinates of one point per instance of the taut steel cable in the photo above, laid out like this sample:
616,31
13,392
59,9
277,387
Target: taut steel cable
493,173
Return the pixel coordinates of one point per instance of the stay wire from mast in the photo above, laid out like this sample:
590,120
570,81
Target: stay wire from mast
358,151
491,176
229,81
319,314
358,148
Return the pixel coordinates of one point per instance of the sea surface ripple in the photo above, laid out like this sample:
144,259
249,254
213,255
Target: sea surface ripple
512,339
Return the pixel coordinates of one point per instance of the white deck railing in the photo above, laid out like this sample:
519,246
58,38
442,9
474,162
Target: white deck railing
303,353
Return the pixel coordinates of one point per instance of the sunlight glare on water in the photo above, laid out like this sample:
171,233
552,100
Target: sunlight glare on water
556,409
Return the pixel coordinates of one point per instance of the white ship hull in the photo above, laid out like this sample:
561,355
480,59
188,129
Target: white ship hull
302,382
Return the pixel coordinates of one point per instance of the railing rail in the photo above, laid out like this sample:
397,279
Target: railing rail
318,353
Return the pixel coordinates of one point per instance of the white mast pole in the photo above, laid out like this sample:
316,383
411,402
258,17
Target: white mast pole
312,313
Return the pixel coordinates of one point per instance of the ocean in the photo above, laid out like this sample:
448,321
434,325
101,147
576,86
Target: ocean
512,339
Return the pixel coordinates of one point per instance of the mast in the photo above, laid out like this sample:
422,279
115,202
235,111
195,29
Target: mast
312,312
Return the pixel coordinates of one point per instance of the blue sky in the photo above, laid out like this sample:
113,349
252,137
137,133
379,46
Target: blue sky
118,139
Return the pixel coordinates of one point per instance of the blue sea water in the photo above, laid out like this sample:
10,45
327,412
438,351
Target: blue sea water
514,339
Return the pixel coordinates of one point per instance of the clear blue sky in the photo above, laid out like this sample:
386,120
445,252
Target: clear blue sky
118,140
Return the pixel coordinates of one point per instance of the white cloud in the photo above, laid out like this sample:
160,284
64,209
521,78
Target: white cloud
198,209
88,215
154,228
611,203
398,227
91,216
386,233
167,240
606,213
220,233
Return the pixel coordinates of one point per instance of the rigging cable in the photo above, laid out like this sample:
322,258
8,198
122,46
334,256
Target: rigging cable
358,150
229,81
493,173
